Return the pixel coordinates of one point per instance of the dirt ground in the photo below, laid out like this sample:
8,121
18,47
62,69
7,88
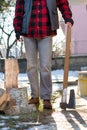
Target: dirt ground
56,119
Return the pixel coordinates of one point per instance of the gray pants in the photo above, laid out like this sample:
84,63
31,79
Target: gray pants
41,85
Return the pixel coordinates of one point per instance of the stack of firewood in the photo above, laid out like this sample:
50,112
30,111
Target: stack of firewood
13,100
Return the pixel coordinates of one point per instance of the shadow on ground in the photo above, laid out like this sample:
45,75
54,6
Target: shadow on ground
74,118
39,120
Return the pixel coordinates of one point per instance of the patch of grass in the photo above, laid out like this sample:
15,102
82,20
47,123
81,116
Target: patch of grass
55,95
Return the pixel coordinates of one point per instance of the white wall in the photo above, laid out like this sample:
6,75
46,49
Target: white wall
79,30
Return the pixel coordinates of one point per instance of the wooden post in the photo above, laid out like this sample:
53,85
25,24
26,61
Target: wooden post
11,74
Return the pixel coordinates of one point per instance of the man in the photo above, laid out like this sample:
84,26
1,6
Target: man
37,21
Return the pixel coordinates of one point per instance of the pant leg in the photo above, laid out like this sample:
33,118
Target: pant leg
32,65
45,53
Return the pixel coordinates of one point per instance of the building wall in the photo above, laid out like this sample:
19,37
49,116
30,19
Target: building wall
79,30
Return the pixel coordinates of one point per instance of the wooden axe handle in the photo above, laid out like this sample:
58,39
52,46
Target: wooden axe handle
67,56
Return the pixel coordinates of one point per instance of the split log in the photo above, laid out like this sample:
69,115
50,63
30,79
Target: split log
10,80
11,73
4,98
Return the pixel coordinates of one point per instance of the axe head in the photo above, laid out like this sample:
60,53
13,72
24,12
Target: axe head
63,105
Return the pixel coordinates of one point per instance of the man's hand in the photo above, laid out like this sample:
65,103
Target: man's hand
19,37
69,24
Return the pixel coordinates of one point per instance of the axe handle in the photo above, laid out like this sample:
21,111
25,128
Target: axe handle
67,56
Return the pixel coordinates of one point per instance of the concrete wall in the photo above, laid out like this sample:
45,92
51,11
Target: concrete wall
76,63
79,30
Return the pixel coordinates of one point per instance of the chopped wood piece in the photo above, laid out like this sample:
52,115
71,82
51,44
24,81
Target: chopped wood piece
11,73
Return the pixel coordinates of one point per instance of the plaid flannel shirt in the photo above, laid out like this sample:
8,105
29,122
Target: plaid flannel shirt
39,26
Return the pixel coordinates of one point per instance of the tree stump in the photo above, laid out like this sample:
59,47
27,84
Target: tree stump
18,103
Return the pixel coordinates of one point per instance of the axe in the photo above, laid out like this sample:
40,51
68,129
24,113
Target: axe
63,103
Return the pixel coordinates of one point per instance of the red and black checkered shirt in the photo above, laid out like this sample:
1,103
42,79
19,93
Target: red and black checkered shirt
39,23
39,26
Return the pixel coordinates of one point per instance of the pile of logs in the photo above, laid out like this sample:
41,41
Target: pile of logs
13,100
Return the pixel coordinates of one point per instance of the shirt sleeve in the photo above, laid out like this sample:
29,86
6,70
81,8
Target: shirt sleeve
18,18
63,6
